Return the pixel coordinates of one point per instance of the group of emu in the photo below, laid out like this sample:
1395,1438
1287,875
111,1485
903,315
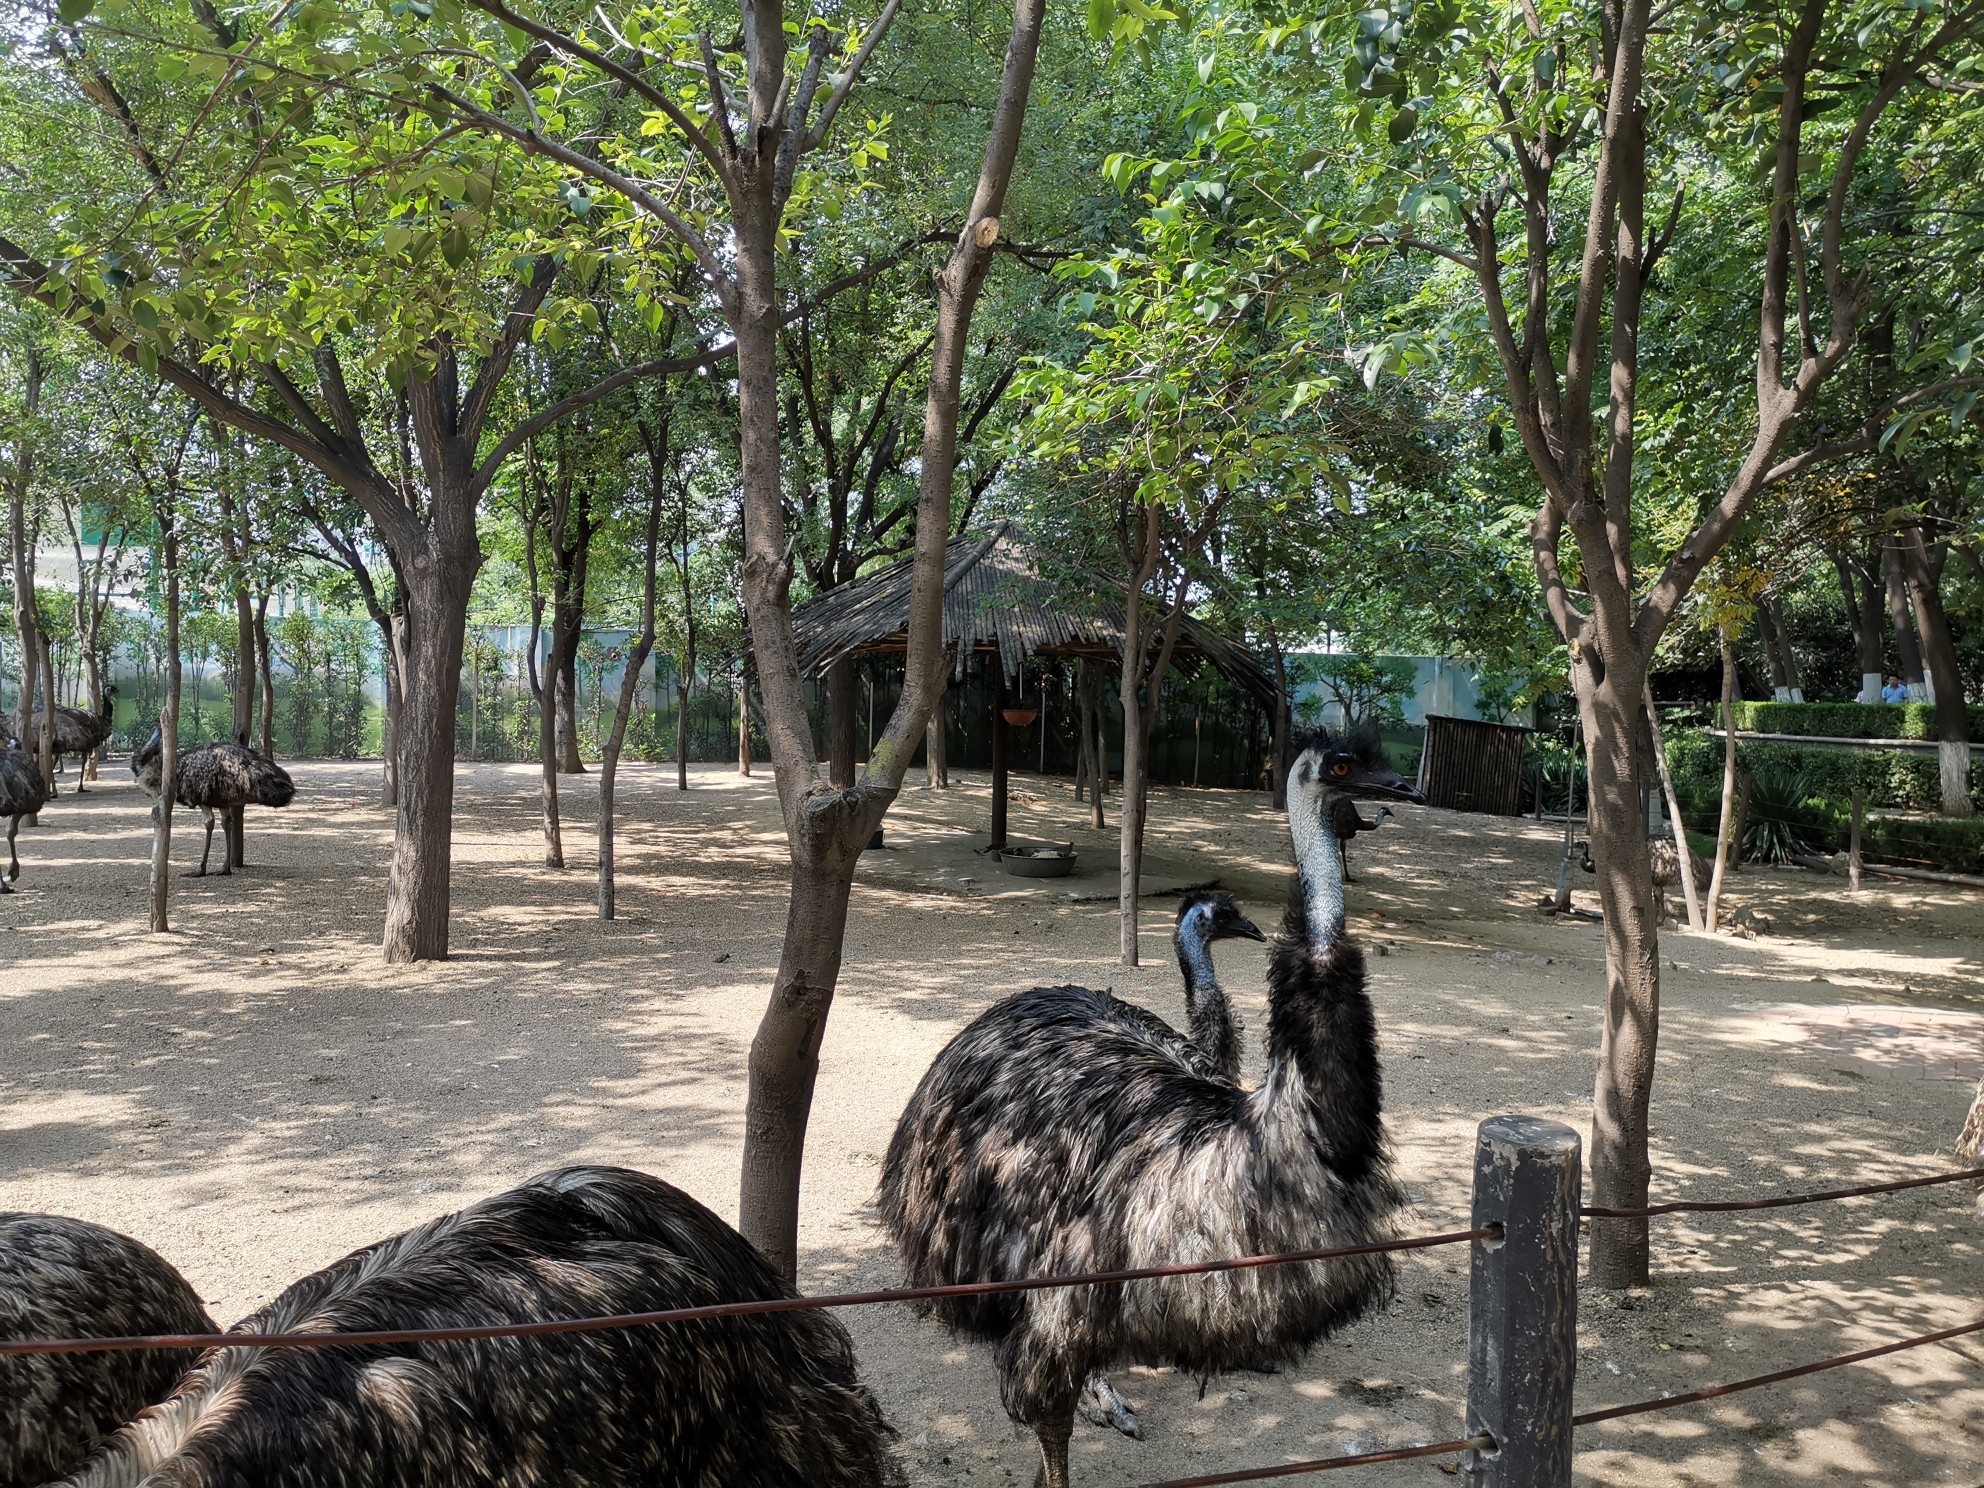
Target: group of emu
213,778
1063,1131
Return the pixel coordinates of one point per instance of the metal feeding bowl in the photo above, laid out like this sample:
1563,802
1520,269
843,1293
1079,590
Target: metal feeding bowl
1056,861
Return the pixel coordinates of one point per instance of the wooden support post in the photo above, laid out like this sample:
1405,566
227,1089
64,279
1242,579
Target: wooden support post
1853,841
1523,1304
999,752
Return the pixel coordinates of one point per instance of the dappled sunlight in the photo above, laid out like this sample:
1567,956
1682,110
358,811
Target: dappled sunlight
256,1093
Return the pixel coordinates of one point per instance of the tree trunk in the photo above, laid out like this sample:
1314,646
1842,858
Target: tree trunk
936,773
1620,1168
1924,574
547,757
168,727
1726,849
1683,857
681,734
565,636
45,733
1785,686
744,724
435,622
26,619
1001,742
1907,652
1970,1141
841,723
630,682
266,664
1863,615
394,654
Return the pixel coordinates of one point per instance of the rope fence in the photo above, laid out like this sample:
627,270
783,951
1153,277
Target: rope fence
15,1347
1525,1226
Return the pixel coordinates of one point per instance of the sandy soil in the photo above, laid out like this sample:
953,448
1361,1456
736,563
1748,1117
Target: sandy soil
257,1094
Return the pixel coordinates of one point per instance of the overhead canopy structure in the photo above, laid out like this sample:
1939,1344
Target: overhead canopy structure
1001,602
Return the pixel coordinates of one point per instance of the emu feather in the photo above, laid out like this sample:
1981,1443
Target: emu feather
67,1278
769,1401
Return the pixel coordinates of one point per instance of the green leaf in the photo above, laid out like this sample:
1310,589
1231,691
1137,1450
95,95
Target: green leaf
1101,20
1403,125
71,11
1960,414
455,247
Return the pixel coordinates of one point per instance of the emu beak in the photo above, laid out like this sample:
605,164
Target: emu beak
1385,785
1248,930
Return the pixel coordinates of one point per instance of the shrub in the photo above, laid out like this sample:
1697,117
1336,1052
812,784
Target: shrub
1945,843
1848,720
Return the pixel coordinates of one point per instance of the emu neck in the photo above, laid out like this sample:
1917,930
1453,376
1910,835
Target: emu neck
1322,1035
1319,867
1206,1008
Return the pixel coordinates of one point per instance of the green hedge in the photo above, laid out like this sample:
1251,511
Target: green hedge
1891,778
1892,781
1848,720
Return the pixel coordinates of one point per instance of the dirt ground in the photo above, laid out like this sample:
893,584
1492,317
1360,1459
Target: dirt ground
257,1094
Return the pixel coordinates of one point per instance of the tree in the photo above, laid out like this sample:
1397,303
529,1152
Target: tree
428,263
1513,133
744,157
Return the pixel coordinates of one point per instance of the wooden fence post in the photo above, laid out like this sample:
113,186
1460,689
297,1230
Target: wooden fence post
1523,1304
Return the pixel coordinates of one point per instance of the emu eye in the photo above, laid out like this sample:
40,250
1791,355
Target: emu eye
1340,768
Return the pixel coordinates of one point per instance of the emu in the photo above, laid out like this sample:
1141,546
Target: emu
1666,863
22,793
1347,824
765,1401
215,777
77,731
1212,1045
67,1278
1055,1135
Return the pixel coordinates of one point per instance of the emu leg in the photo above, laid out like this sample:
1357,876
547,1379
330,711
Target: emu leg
1100,1405
206,851
1054,1450
13,858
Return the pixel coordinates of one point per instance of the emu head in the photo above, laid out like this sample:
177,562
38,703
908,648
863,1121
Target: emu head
1330,765
1583,850
148,751
1210,916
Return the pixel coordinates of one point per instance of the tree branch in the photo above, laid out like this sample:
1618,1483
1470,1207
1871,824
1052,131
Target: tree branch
844,84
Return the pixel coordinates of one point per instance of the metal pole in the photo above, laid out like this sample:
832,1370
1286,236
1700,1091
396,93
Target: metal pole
1523,1304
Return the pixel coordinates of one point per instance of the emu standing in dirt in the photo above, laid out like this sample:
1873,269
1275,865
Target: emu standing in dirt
77,731
22,793
67,1278
1056,1135
767,1401
215,777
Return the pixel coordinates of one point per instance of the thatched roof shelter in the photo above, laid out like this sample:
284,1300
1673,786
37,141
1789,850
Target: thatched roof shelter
1001,603
998,602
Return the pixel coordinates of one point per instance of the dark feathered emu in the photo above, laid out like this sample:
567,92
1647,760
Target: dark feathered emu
1055,1134
22,793
66,1278
77,730
1204,917
754,1402
215,777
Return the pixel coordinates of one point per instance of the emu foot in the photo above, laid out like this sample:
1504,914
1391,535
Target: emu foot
1100,1405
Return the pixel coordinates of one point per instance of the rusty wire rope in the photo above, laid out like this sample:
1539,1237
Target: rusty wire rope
1330,1464
10,1347
1784,1201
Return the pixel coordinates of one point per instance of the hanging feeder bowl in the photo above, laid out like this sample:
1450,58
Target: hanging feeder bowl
1019,717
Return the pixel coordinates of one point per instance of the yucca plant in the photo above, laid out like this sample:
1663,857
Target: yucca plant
1779,825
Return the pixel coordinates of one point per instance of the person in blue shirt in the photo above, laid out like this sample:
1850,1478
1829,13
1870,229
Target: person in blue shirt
1894,692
